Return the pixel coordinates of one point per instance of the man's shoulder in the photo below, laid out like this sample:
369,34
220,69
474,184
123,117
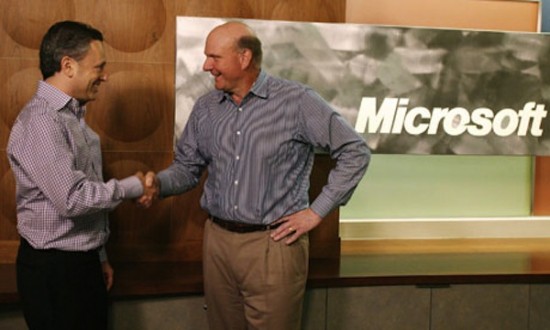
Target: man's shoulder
36,110
282,84
210,97
37,106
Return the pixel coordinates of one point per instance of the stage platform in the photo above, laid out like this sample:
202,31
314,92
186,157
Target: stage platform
362,263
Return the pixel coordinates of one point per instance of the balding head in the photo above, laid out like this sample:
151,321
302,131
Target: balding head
233,58
241,37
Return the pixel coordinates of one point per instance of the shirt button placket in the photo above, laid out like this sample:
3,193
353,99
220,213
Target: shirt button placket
237,157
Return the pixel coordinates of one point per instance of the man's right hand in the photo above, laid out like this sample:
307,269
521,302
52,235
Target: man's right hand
150,189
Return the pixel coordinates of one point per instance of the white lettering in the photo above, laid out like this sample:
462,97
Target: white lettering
482,119
438,115
455,121
400,116
505,122
393,117
412,126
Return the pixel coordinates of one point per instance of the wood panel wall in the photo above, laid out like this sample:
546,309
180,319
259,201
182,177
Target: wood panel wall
135,111
498,15
134,114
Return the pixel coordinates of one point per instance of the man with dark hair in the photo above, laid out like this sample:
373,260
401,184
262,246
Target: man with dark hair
62,200
256,134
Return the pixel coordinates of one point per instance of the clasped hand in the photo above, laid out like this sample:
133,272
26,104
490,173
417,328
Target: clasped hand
150,189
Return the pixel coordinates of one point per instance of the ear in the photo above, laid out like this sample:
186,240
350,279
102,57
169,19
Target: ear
245,59
68,66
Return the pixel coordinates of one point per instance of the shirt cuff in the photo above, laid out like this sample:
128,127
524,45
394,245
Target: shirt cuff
102,254
132,187
322,205
163,179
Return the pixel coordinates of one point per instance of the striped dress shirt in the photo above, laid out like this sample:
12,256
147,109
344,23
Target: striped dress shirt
62,200
259,154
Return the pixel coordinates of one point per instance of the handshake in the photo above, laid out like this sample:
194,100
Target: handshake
151,189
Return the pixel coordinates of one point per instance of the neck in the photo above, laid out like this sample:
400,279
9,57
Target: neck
237,99
58,82
247,84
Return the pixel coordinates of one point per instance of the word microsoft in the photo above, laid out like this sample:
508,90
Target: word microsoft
394,117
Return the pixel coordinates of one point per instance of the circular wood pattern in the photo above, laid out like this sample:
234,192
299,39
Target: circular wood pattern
26,22
131,26
234,8
134,112
7,191
302,11
129,108
16,91
121,168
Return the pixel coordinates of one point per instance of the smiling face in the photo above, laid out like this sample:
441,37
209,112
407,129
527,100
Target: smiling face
230,65
89,73
223,61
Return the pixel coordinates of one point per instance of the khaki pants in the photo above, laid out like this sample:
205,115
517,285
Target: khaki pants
253,282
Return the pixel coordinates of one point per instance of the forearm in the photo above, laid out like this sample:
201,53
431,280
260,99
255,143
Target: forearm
351,165
176,179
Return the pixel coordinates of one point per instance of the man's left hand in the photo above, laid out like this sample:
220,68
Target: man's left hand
108,273
295,225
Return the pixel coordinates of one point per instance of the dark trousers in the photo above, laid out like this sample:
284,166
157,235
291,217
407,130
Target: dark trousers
61,290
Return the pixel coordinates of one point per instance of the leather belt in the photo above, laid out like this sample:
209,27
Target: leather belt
241,227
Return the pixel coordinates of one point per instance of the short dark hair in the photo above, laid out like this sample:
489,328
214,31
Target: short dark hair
255,45
66,38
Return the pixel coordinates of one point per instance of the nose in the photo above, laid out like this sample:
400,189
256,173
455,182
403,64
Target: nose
207,65
104,76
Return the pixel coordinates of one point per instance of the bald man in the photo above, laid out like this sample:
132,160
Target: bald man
256,134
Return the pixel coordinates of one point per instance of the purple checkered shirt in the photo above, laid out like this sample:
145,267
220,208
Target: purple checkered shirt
62,200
